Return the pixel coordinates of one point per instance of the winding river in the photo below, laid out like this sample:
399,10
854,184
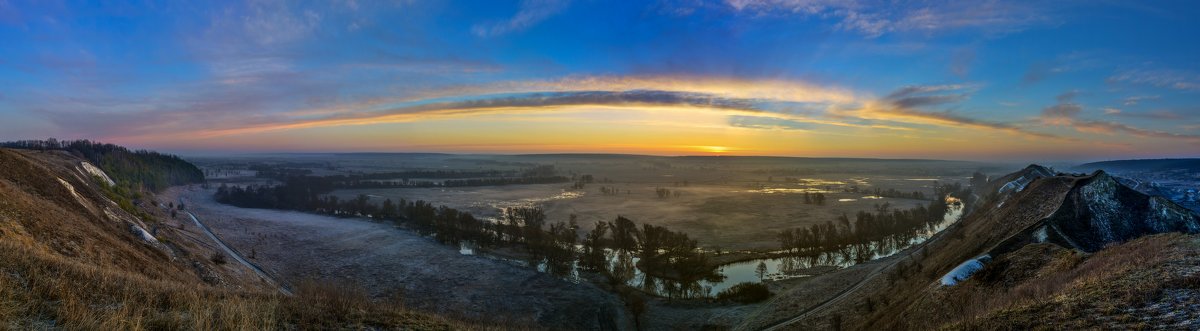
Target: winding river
789,267
779,268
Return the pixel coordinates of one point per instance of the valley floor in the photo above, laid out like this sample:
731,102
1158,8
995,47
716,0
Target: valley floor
388,262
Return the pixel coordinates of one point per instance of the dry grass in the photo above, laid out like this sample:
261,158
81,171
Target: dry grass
1131,285
65,263
45,290
1102,291
909,290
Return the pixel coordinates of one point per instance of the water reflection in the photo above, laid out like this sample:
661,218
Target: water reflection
792,266
623,265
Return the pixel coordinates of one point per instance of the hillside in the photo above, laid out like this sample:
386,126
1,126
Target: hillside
1041,250
1054,251
72,258
129,170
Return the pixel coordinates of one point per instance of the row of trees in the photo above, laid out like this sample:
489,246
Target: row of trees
672,261
663,193
582,181
368,181
281,172
888,193
607,249
543,174
884,224
871,232
406,183
894,193
608,190
814,198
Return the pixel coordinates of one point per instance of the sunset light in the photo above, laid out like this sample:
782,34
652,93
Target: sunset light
531,77
713,149
605,165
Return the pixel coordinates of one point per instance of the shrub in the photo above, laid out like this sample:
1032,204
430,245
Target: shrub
745,293
218,258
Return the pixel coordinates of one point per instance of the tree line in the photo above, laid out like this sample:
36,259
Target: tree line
814,198
544,174
894,193
607,249
884,228
673,262
406,183
131,171
520,226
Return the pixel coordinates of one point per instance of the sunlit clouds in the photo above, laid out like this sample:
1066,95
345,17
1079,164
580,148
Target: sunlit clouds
908,79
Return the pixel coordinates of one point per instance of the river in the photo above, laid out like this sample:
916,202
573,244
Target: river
780,268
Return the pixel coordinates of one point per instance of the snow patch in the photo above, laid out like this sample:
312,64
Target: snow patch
111,216
1016,185
1040,235
140,232
72,189
94,171
964,270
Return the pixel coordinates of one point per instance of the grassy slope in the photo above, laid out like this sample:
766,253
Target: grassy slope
1146,282
39,289
1041,285
66,263
1150,281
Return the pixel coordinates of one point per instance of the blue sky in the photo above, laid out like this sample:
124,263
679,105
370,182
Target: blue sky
1069,80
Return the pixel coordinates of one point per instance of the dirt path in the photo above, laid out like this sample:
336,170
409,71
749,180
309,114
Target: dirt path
841,295
237,256
388,263
856,286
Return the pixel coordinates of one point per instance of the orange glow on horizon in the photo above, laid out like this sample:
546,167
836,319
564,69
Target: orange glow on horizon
713,149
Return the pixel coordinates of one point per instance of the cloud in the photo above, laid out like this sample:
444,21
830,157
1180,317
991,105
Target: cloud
1067,96
875,18
226,110
1061,113
960,62
531,13
768,123
911,104
9,14
1063,63
1066,113
221,109
1165,78
767,89
1114,127
911,97
267,22
1154,115
1036,73
1134,100
231,106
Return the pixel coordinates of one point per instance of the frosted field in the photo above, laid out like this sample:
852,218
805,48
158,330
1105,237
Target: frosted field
732,216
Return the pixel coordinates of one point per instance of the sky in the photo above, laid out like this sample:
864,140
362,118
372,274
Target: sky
968,80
